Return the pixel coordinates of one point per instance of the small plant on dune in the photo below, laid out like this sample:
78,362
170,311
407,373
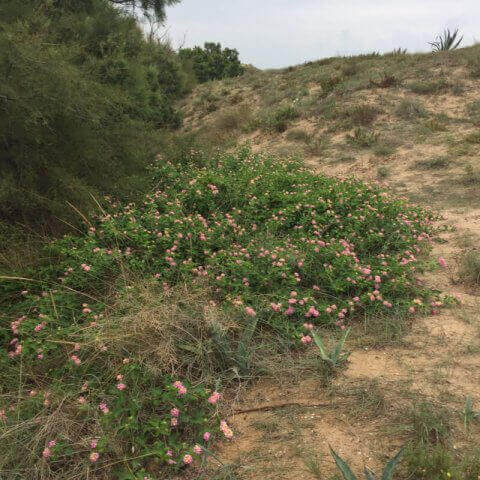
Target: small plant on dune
335,357
430,424
435,162
470,267
298,135
439,462
383,172
471,175
363,115
469,414
446,41
387,473
429,87
362,138
410,110
474,67
386,80
473,137
328,84
279,119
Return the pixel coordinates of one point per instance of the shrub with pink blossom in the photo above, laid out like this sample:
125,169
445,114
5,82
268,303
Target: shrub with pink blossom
287,250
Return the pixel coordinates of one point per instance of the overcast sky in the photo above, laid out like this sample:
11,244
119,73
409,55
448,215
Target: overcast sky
279,33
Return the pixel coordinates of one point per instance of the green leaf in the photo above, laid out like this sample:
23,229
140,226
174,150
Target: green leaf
321,348
390,467
342,466
341,343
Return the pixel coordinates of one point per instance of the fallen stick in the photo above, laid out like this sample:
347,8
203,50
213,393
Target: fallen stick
282,405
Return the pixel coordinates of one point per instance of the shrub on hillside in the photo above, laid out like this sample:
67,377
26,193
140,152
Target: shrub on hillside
212,62
82,96
279,250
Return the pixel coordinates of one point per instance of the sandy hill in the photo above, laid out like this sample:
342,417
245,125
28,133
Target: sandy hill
410,119
411,122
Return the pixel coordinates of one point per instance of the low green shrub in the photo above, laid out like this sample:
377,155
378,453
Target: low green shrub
428,87
362,138
279,119
363,115
410,109
280,250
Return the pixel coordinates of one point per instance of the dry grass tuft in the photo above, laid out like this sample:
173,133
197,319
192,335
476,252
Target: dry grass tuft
175,331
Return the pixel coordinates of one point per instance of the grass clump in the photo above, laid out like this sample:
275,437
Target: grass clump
428,87
473,137
362,115
279,119
471,176
474,67
298,135
430,424
385,148
93,353
473,111
470,267
435,162
362,138
410,110
383,172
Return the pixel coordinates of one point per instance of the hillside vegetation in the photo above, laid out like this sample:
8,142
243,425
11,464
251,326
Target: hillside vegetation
409,123
238,301
83,95
408,118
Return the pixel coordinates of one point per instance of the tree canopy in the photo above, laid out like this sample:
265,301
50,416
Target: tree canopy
157,7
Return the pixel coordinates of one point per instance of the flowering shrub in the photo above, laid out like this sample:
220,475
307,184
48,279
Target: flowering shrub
289,249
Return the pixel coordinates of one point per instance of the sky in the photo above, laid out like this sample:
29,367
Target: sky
280,33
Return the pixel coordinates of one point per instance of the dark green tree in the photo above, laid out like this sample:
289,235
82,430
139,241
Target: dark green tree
155,6
212,62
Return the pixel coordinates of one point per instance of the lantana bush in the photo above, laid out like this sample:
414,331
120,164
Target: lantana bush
285,250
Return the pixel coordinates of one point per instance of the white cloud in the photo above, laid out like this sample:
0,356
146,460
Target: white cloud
277,33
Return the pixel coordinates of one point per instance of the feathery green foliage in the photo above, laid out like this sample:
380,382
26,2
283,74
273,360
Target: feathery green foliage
82,98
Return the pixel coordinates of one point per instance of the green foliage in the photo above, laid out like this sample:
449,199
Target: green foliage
335,357
446,41
387,473
430,425
469,414
362,138
363,115
157,7
429,87
410,109
278,120
435,162
440,463
470,267
211,62
82,96
274,243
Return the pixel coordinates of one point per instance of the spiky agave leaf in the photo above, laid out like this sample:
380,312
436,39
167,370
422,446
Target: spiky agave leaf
447,41
321,348
339,348
342,466
391,465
